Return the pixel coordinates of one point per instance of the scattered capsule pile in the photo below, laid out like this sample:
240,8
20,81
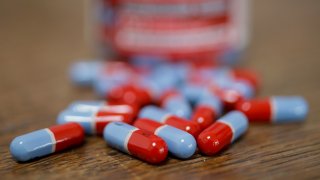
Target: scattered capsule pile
151,109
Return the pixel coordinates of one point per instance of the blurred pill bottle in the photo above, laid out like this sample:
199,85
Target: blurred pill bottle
187,30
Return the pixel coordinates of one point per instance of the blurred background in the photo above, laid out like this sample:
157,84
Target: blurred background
40,39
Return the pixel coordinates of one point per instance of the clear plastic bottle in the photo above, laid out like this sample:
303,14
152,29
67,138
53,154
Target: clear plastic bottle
200,30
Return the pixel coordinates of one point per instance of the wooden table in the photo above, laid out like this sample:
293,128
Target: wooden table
39,39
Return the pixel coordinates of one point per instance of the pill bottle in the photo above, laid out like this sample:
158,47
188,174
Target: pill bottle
176,30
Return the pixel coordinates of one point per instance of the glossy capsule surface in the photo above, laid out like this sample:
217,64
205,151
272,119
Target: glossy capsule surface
103,106
136,142
175,103
130,94
46,141
92,122
222,133
208,108
233,92
180,143
159,115
277,109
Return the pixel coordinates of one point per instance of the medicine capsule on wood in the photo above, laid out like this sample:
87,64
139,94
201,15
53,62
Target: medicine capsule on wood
130,94
87,106
104,108
136,142
277,109
46,141
175,103
222,133
180,143
208,109
92,122
159,115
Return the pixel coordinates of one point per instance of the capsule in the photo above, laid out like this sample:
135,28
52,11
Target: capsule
222,133
180,143
159,115
130,94
84,73
103,106
175,103
46,141
277,109
247,75
207,110
92,122
136,142
191,92
233,92
166,76
112,75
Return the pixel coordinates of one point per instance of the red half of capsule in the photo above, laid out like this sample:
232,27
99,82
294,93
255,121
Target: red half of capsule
204,116
166,95
147,147
248,75
102,119
214,138
127,117
120,108
147,125
67,135
229,97
189,126
129,94
256,110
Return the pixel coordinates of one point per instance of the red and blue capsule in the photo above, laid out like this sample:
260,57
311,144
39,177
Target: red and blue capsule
159,115
90,106
222,133
277,109
233,92
93,122
46,141
136,142
208,108
180,143
175,103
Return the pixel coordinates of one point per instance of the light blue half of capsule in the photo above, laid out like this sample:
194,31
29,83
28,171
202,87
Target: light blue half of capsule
178,106
180,143
289,109
222,82
165,76
85,119
103,84
215,74
152,86
244,87
209,99
84,73
238,123
191,92
32,145
117,135
85,106
153,113
182,70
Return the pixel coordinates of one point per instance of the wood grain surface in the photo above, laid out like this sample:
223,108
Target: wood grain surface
39,40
